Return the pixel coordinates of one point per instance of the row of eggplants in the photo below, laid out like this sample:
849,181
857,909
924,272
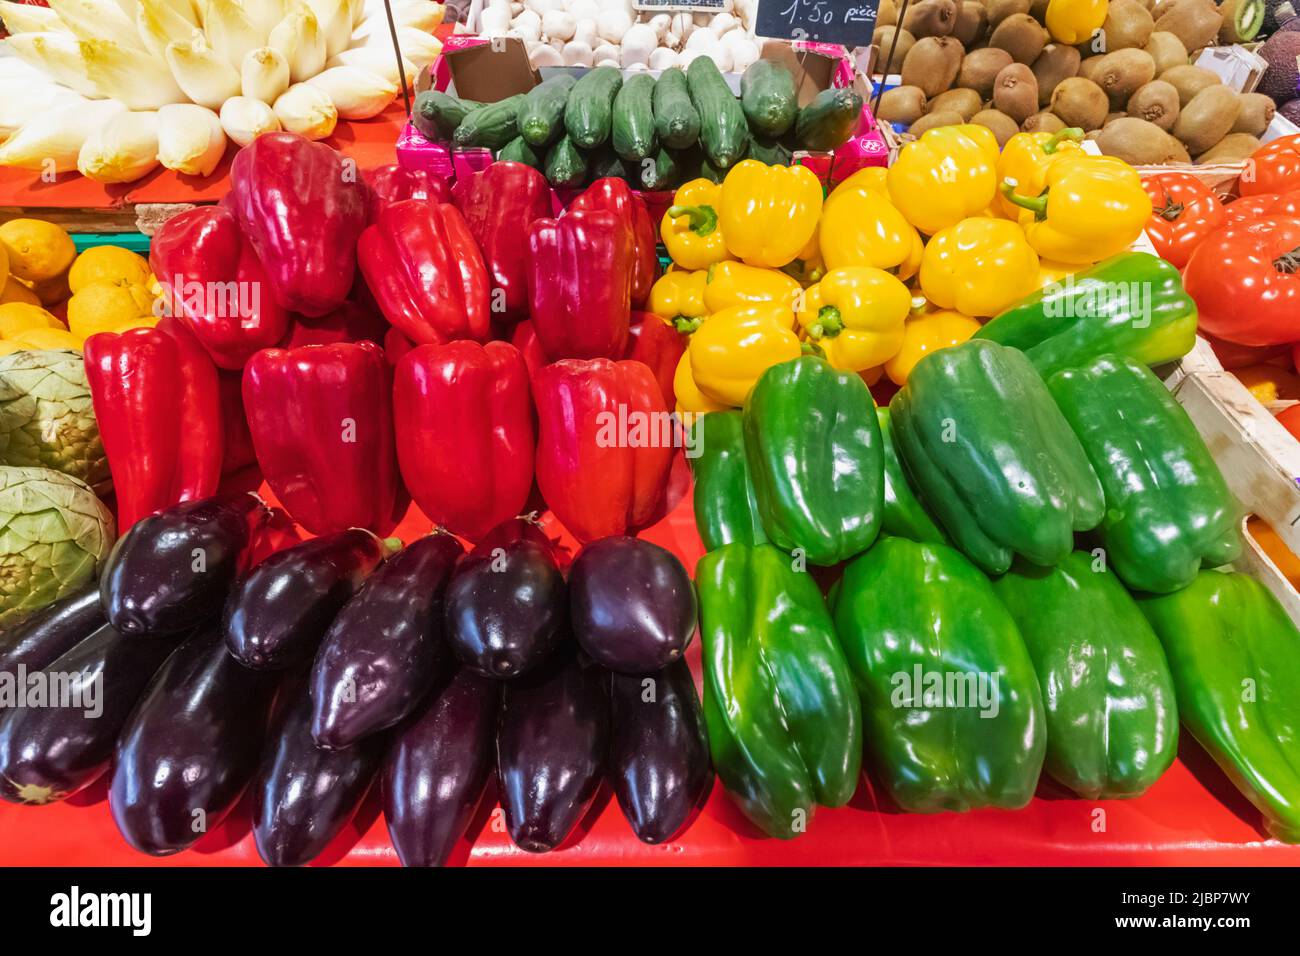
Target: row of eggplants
427,668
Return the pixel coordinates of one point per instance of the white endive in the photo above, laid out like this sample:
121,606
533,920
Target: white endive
298,36
335,21
21,18
161,22
307,110
128,7
58,56
122,150
265,14
420,14
190,139
356,94
244,119
138,80
201,72
264,74
99,20
230,31
376,59
417,46
358,11
39,96
53,140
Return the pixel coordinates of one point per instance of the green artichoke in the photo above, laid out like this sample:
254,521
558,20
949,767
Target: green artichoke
53,533
46,418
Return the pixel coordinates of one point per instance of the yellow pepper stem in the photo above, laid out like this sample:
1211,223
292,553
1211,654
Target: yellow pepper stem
1038,204
686,325
828,324
812,348
1072,133
704,219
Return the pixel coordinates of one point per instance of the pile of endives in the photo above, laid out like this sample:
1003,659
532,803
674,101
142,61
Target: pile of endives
115,88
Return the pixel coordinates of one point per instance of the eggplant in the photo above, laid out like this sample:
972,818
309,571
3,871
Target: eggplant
276,616
304,795
384,651
552,748
631,603
172,571
50,752
438,767
506,603
52,631
191,747
659,753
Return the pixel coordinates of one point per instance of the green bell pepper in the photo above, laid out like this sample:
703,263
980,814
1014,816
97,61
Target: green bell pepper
951,708
1132,304
1112,725
1235,659
905,516
726,510
1168,509
785,729
990,453
814,453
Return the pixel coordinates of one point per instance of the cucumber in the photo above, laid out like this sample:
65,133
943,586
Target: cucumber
566,164
436,114
772,152
519,150
589,112
676,121
654,173
632,130
695,165
830,119
490,126
724,134
541,114
604,163
768,97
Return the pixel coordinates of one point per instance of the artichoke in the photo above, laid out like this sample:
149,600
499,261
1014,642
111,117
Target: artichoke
46,418
53,533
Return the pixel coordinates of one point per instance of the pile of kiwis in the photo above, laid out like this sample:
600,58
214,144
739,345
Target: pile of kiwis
1132,87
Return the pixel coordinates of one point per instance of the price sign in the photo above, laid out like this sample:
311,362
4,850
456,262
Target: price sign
847,22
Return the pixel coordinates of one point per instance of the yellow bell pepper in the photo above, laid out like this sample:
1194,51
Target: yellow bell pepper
945,176
678,298
870,179
1050,273
1093,207
734,283
1074,21
730,351
855,315
689,397
927,332
769,213
809,266
690,228
978,267
861,227
1026,159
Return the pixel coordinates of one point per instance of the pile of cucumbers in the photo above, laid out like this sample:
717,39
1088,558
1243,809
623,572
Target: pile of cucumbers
656,134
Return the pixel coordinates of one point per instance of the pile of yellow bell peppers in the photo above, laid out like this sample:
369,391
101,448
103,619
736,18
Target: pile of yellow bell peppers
891,265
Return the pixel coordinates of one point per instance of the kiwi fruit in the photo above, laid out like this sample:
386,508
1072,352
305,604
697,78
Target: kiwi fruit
1189,80
1159,8
887,14
1000,124
965,102
1231,149
1122,72
932,64
999,10
1255,114
1089,66
972,21
1057,62
1156,102
1207,118
1043,122
1128,24
1242,20
1015,92
1195,22
979,68
1167,50
1020,35
1080,102
902,104
883,39
930,18
1139,143
1038,10
934,120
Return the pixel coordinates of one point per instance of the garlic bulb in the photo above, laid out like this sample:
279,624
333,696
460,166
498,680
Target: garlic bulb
612,25
139,81
307,111
299,38
230,31
99,20
58,56
577,53
160,22
21,18
558,25
206,77
356,94
543,54
662,59
264,74
335,21
53,140
244,119
122,150
190,139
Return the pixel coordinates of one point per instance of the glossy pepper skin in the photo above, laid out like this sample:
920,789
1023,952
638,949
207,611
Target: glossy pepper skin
138,380
735,346
463,417
393,183
1069,323
945,176
690,399
783,719
1112,723
813,448
499,203
1246,281
904,516
321,420
214,282
302,211
978,267
597,477
691,229
1025,160
580,284
1168,509
730,284
425,271
1246,208
660,347
924,612
726,506
677,297
1184,211
1276,165
1235,659
1074,21
769,213
1000,484
613,194
927,331
860,226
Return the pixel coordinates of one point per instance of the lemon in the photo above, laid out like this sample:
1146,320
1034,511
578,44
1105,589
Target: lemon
52,291
18,317
104,306
38,250
15,291
47,339
4,266
108,264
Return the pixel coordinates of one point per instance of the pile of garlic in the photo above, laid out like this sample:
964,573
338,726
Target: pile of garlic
115,88
613,33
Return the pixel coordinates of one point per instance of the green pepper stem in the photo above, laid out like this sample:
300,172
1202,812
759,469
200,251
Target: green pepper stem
829,323
1288,263
392,545
686,326
812,348
704,219
1072,133
1038,204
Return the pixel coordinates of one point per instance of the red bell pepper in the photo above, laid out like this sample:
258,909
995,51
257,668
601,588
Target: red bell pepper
660,346
1249,208
499,203
302,210
1245,280
1183,212
426,273
390,184
396,345
350,322
524,338
213,280
580,284
237,446
605,445
158,407
464,418
322,424
615,195
1273,168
